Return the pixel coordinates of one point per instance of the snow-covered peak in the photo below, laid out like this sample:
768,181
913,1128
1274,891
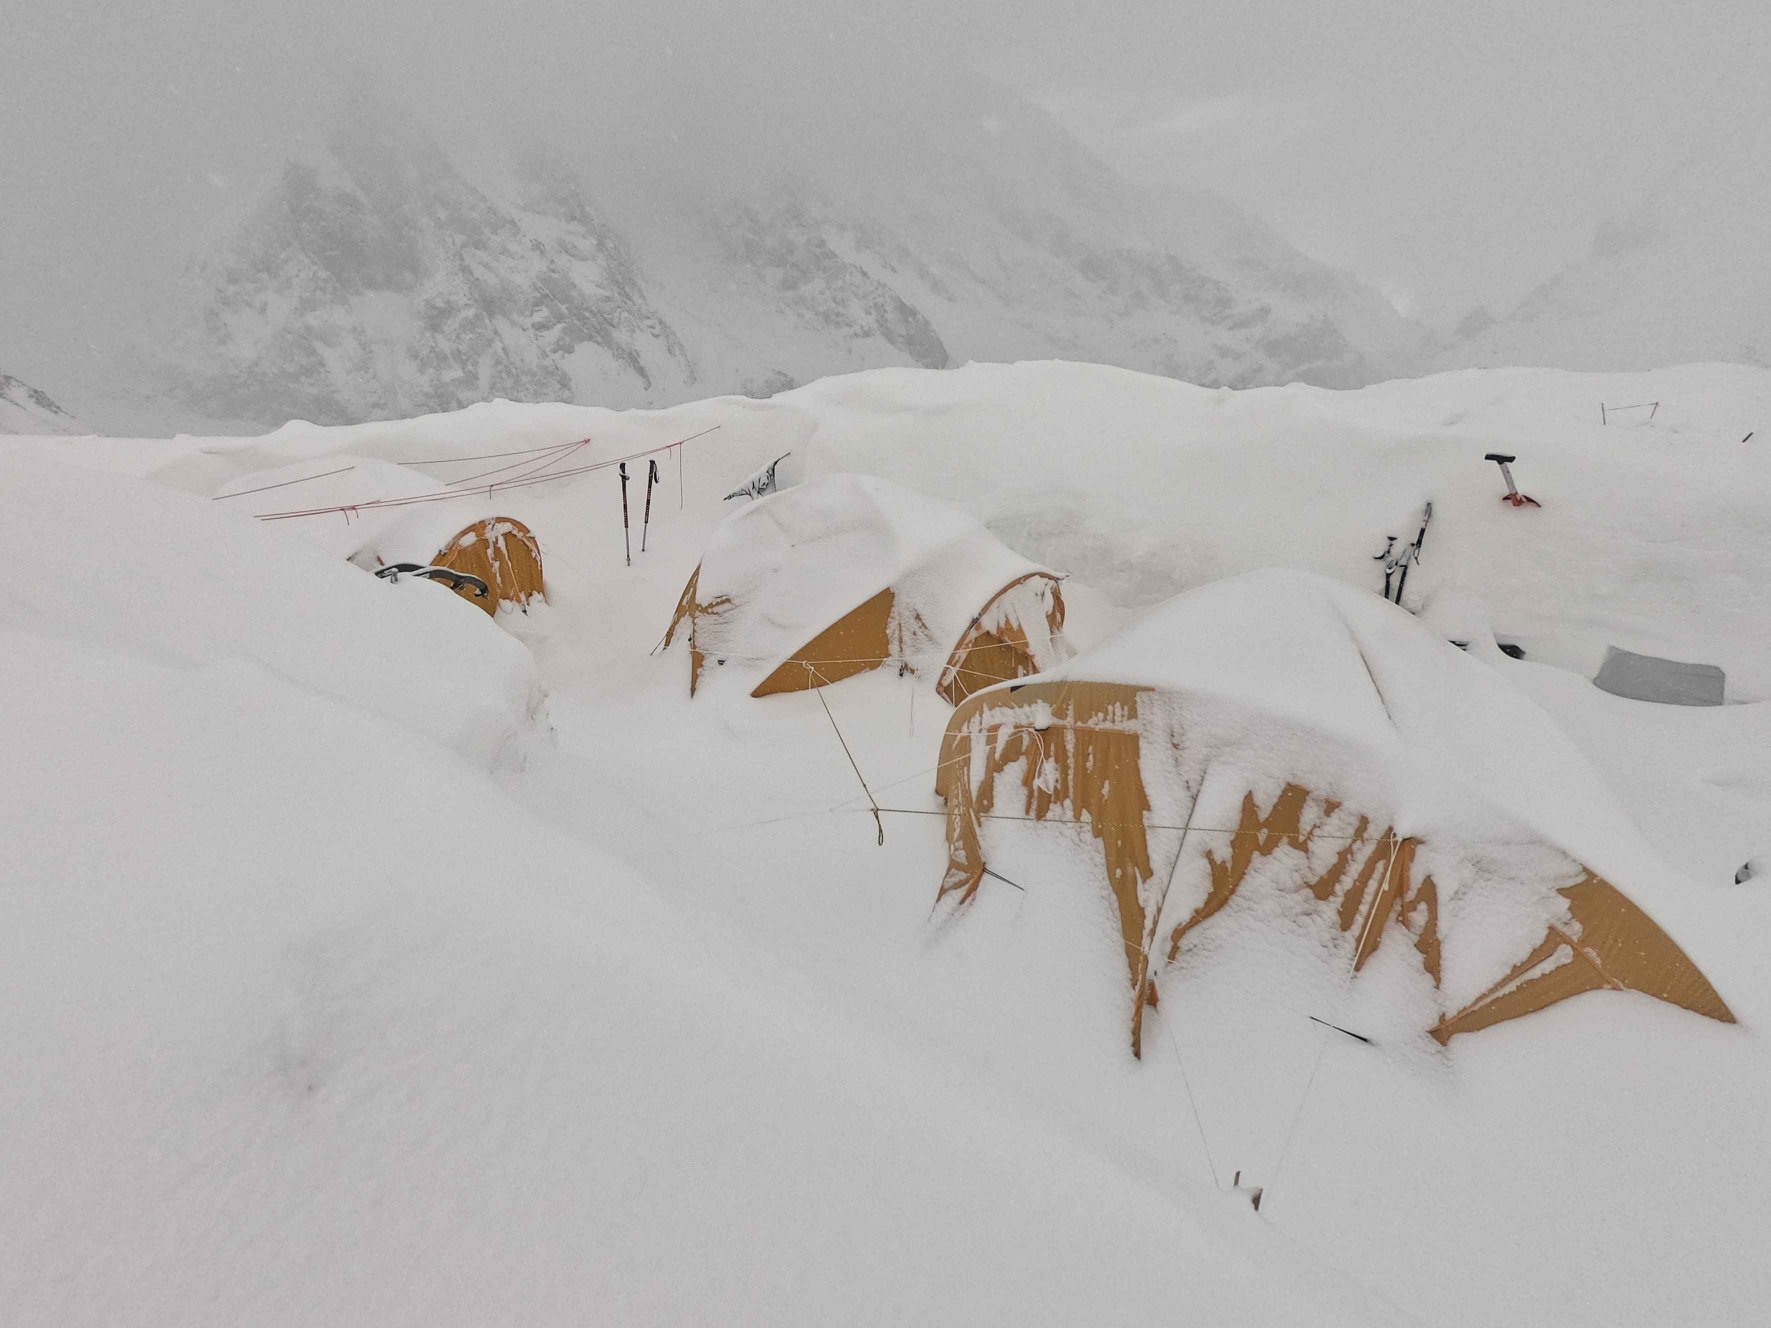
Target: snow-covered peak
27,409
1672,280
374,280
381,276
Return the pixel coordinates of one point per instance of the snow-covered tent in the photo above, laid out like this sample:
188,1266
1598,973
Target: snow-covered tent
832,578
374,513
1319,769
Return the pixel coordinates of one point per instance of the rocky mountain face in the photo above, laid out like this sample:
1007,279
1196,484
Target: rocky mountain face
379,282
26,409
1678,279
376,279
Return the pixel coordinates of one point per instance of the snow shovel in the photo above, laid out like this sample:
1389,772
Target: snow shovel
1512,495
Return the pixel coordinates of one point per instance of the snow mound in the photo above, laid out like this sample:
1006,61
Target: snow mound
790,565
1648,539
1307,665
336,480
175,579
322,1027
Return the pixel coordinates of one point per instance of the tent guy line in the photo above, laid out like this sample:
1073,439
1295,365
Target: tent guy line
846,752
266,488
1371,918
487,489
484,456
552,458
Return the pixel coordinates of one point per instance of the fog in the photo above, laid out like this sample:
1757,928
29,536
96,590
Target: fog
1450,154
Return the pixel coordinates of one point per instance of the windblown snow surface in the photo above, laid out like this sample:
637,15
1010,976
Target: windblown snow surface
368,959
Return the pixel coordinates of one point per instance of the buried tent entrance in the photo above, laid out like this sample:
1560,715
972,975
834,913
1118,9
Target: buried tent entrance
1287,729
377,514
499,550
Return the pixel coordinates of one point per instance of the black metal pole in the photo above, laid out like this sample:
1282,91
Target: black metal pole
626,542
646,525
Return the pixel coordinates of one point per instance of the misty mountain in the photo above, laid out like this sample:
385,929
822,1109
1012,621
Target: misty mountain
26,409
1679,278
380,277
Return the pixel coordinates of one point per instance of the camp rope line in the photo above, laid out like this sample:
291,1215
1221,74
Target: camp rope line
1173,1037
819,689
1321,1033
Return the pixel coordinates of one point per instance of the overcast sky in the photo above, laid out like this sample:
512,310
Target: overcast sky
1451,153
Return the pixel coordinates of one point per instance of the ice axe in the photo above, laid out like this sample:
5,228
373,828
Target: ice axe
1388,559
646,524
1512,495
626,542
1412,553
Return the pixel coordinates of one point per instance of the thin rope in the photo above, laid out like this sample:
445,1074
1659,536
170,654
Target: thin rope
485,456
879,824
1322,1029
1122,825
266,488
1198,1124
1298,1115
496,486
563,450
1144,986
553,554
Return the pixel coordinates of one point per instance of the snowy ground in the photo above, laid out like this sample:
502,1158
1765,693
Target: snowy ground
368,966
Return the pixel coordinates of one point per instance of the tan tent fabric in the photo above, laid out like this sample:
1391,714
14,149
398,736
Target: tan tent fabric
1608,944
878,631
995,647
1074,751
688,606
848,573
862,639
503,553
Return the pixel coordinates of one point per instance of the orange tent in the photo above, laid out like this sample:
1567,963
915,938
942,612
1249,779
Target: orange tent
503,553
846,574
1322,761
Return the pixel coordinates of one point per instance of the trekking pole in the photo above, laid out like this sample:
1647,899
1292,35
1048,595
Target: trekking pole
1412,553
1387,558
626,542
651,479
1408,556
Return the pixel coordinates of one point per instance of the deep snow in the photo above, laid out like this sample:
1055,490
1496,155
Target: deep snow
352,981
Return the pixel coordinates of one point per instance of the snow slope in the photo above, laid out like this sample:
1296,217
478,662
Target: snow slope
175,579
303,1050
1674,280
27,409
1649,537
436,1067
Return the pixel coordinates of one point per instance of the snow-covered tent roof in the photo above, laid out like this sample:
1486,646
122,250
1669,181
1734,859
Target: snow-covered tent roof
459,532
1325,762
838,576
